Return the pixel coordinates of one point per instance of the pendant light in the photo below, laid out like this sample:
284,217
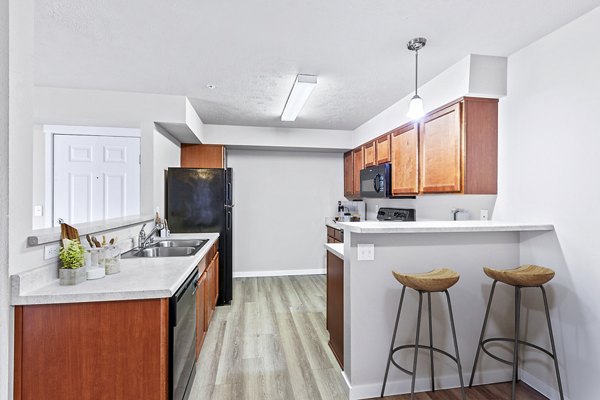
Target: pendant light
415,109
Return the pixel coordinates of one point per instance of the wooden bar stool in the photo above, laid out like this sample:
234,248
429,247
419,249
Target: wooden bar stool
522,277
438,280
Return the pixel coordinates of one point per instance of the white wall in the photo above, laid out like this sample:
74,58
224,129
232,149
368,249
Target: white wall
4,287
167,153
281,201
259,136
549,141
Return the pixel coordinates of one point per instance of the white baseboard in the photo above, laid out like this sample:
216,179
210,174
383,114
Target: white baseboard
283,272
422,384
548,390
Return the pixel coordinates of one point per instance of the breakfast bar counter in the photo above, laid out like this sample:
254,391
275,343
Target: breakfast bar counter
371,296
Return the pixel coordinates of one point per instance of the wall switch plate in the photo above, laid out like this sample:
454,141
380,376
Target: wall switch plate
51,251
38,211
366,252
483,215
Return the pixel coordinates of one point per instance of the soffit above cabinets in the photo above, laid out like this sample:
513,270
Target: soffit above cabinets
252,51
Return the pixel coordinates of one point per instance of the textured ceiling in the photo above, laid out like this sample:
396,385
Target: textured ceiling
253,49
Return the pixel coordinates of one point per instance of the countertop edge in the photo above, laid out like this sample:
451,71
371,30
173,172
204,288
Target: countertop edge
508,227
336,248
34,297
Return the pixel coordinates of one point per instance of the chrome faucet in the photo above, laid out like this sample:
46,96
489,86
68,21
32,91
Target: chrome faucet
143,239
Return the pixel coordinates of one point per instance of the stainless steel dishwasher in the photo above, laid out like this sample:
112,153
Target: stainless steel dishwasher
182,338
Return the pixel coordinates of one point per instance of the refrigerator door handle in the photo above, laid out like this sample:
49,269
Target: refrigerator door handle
228,220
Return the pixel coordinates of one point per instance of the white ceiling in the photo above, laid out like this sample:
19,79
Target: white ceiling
253,49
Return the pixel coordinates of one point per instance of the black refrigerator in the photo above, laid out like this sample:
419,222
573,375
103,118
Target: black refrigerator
200,200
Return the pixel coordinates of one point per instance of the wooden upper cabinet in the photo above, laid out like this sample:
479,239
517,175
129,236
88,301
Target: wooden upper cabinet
480,125
202,156
440,151
369,154
358,164
405,160
382,149
348,174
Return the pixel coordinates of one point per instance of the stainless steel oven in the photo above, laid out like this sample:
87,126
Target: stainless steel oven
182,338
375,181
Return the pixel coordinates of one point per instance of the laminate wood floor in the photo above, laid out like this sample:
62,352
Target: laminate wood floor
271,344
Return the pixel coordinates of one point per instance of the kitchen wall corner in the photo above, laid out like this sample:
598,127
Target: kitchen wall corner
4,274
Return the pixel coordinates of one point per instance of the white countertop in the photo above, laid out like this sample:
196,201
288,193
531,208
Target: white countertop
336,248
440,226
140,278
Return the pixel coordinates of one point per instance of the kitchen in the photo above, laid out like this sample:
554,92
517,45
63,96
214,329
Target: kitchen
288,177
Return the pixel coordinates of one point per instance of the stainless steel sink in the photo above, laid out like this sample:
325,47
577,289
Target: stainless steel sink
166,252
168,248
179,243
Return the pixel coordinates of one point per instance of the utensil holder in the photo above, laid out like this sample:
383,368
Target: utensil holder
111,259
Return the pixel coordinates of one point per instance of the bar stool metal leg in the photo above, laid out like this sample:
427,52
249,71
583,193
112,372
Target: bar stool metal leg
414,371
560,389
430,342
387,369
460,375
485,319
516,345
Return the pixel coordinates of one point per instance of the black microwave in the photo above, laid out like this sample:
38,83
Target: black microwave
376,181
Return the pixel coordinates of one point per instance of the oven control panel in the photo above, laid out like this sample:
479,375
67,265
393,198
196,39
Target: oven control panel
396,214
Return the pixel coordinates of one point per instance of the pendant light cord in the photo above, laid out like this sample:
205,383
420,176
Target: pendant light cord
416,70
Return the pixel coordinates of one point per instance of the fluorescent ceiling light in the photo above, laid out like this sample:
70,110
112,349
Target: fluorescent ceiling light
303,87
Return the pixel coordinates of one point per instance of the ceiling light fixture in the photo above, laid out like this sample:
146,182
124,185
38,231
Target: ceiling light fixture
303,87
415,109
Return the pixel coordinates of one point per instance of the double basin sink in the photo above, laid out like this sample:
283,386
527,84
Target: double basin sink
168,248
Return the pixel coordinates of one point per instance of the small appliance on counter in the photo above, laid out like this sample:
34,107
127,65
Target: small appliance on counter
352,211
396,214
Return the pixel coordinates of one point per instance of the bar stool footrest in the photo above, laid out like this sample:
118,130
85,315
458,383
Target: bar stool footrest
509,340
421,347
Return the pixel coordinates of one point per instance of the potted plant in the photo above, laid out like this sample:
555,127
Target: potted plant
72,270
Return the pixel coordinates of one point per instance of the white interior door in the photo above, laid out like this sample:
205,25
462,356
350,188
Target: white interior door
95,177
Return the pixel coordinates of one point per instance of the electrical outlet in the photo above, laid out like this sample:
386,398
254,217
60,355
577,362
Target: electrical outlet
51,251
483,215
366,252
38,211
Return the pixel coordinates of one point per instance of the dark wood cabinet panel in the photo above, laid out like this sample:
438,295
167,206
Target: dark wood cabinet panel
200,314
335,306
104,350
358,165
405,160
369,153
440,151
481,146
202,156
382,149
348,174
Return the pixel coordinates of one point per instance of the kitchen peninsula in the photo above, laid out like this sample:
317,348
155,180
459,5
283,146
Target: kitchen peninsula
371,294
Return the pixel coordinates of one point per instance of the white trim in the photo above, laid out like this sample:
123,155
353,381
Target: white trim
422,384
91,130
282,272
548,390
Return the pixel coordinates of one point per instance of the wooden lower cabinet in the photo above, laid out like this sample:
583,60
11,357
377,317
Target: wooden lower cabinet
92,351
335,235
201,324
335,305
212,289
